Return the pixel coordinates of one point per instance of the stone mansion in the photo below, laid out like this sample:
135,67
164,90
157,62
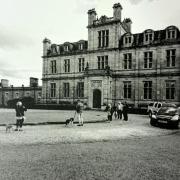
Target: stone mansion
113,65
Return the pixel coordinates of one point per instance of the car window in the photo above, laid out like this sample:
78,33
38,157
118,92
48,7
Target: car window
159,105
150,104
155,105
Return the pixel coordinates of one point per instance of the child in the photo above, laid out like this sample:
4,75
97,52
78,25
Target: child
109,112
19,115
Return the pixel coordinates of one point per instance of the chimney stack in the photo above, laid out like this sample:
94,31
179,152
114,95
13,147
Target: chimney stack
46,46
117,8
91,16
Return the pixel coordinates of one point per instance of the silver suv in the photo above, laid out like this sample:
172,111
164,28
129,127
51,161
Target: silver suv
153,108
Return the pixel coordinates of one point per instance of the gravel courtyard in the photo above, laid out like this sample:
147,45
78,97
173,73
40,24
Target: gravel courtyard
116,150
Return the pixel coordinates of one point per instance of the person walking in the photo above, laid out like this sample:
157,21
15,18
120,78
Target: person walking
119,110
20,109
79,110
125,111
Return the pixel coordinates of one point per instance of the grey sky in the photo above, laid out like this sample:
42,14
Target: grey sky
24,24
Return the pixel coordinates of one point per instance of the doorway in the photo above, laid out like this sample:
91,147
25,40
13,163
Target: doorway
96,98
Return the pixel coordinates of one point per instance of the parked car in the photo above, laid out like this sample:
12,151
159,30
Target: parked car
168,113
153,107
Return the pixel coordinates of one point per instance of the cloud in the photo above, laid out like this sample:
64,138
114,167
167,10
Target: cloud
10,39
138,1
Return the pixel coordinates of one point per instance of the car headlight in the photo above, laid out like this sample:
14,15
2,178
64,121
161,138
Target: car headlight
175,118
154,116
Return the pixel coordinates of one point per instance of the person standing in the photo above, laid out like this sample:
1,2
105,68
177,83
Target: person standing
79,110
20,109
114,109
109,112
119,110
125,111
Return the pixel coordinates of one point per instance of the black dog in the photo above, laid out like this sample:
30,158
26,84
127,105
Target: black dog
68,121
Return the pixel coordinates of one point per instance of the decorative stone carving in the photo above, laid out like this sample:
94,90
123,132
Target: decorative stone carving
96,84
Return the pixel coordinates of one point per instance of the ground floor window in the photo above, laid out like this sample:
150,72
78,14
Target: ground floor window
127,90
170,89
147,89
53,90
66,89
80,89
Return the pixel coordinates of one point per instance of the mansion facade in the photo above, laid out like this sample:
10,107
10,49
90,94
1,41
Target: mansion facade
113,65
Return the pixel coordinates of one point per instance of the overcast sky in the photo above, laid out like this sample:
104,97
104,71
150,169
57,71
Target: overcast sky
25,23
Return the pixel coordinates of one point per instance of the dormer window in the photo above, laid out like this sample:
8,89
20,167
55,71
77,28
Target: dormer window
128,40
171,34
148,37
66,48
80,46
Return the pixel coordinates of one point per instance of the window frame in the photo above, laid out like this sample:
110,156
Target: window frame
53,67
170,90
66,89
80,89
148,59
147,91
127,61
127,89
103,38
52,90
102,62
66,65
170,57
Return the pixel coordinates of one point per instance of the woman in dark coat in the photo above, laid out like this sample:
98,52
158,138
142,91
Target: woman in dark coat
125,111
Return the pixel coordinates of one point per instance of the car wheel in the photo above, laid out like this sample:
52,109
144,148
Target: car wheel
153,122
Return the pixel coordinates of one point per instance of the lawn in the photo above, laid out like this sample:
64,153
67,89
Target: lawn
39,116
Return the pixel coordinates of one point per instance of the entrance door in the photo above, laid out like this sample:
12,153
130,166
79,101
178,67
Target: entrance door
96,98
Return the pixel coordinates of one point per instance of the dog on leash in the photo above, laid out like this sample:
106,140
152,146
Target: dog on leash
9,127
68,121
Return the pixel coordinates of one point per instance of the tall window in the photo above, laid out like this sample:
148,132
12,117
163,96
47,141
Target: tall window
53,90
66,89
80,89
148,56
128,61
103,38
81,64
53,66
67,65
171,57
127,90
102,62
147,89
170,90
